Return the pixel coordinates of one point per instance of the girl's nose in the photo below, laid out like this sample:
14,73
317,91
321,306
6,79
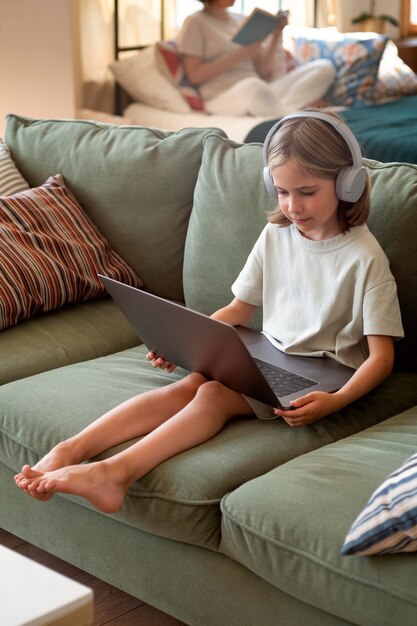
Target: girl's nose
294,206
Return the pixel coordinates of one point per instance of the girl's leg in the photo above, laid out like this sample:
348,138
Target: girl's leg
135,417
105,483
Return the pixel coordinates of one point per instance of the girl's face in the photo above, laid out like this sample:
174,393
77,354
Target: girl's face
307,201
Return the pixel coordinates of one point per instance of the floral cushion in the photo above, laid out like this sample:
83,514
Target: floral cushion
356,57
395,78
170,64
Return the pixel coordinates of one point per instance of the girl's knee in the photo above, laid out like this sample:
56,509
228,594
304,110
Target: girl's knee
193,382
216,394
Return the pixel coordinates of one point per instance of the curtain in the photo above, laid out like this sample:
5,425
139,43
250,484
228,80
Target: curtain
139,24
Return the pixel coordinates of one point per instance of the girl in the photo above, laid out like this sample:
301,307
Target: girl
246,80
336,295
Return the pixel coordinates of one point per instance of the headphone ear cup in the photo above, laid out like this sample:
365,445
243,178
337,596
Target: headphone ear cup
351,183
269,182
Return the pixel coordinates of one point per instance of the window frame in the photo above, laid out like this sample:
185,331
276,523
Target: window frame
407,28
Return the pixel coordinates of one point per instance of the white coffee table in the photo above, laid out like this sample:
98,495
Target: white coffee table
34,595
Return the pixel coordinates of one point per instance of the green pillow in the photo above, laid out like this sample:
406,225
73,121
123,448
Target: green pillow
230,206
135,183
229,212
393,221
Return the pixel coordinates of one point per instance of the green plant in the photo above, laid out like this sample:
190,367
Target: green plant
370,15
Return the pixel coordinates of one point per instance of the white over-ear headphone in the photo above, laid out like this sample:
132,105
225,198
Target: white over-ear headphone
351,180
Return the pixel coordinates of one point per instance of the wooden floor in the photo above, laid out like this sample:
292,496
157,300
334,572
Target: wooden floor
111,606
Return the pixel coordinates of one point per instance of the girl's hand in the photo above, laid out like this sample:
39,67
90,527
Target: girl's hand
159,361
310,408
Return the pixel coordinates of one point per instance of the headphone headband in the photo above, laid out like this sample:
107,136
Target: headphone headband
351,181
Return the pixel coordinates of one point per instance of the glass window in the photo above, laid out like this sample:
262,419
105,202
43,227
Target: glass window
408,18
186,7
413,12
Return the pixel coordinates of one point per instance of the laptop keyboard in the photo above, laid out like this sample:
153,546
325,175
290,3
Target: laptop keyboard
282,381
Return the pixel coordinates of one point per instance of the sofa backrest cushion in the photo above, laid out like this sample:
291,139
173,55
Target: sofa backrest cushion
393,221
229,212
230,205
136,184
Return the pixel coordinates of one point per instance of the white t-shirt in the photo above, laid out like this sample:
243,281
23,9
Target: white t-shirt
321,298
210,38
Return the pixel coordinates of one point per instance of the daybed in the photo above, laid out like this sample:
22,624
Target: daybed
369,72
248,528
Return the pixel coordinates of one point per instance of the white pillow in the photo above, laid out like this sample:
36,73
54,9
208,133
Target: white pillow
140,77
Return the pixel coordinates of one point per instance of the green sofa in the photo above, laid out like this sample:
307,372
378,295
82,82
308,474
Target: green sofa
246,529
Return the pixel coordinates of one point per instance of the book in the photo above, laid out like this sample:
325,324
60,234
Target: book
258,25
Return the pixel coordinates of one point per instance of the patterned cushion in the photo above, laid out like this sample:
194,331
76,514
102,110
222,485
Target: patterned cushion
356,57
11,180
50,253
388,522
395,78
169,62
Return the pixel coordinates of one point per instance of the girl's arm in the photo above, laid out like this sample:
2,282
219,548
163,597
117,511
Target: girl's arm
236,313
199,72
372,372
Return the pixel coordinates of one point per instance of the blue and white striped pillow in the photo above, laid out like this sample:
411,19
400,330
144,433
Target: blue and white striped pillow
11,180
388,523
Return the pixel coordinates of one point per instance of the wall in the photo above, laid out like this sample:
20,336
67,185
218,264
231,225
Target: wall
38,66
348,9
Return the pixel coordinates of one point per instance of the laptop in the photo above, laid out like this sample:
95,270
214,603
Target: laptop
240,358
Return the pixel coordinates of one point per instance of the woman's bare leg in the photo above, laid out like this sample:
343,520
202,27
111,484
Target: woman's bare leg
105,483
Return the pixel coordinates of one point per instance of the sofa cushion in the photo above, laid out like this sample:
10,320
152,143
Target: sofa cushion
289,526
393,221
11,180
135,183
229,212
180,499
74,333
51,253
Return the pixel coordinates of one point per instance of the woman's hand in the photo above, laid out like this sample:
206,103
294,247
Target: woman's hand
247,52
159,361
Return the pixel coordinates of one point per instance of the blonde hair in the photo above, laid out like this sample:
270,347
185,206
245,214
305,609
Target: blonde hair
319,151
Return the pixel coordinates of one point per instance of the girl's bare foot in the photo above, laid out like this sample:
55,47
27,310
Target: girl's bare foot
60,456
96,482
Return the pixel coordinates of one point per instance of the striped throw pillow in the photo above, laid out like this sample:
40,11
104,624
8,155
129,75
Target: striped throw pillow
388,522
11,180
51,253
